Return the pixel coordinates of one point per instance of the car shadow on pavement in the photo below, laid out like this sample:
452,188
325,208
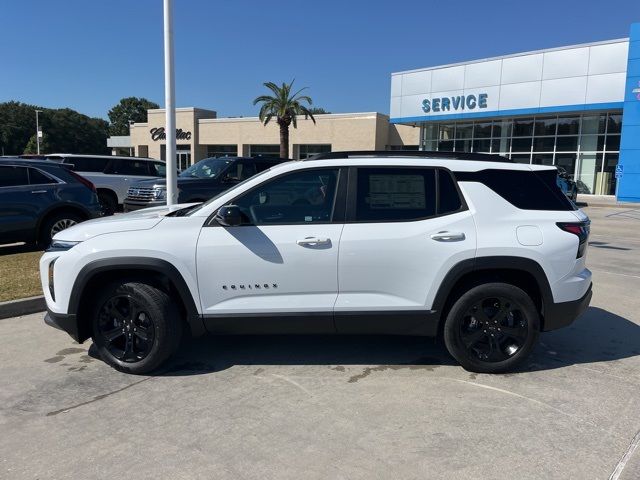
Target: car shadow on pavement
597,336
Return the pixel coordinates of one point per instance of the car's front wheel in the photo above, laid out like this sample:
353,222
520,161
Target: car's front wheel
492,328
136,327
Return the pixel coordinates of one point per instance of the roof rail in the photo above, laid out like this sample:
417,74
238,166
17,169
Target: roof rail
485,157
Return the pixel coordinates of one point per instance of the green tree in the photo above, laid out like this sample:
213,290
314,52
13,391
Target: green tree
32,146
318,111
284,106
66,130
130,109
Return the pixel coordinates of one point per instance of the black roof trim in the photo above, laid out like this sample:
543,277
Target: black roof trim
484,157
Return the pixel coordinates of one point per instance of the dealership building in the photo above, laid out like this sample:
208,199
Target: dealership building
201,134
576,107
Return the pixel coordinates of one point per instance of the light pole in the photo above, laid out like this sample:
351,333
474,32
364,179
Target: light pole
169,105
38,132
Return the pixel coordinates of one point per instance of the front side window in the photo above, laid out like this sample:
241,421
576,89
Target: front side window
88,164
241,171
121,166
301,197
13,176
395,194
158,169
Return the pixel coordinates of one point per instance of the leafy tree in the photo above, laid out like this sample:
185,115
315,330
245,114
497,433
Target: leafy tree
65,130
284,106
32,146
130,109
318,111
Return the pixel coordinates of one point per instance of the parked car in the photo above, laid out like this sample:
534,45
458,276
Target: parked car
39,198
112,175
567,185
486,254
199,182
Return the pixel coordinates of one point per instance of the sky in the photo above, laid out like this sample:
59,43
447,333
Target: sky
88,54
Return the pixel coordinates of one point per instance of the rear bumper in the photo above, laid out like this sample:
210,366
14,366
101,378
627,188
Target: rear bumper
131,206
558,315
63,321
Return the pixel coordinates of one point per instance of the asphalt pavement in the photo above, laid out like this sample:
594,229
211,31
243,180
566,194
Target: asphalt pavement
338,407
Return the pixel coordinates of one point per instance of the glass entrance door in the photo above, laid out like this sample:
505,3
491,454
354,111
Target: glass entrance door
183,158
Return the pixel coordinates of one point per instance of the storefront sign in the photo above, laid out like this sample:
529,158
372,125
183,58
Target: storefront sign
158,134
460,102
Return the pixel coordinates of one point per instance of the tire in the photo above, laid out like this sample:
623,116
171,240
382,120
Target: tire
108,201
492,328
135,327
56,223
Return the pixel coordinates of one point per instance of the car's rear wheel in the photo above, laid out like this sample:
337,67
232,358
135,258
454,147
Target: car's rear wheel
56,223
136,327
492,328
108,201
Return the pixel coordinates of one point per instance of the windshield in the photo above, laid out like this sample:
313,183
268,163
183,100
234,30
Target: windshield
207,168
198,207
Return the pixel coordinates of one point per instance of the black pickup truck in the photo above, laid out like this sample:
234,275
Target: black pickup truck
199,182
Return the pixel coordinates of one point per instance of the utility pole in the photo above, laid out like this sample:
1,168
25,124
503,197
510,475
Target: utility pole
38,131
169,105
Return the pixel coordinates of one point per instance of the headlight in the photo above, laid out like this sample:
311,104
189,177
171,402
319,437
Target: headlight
160,193
61,245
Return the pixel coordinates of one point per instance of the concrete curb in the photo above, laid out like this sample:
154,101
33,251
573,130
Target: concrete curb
22,306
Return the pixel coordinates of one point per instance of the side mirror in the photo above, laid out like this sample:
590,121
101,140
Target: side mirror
229,216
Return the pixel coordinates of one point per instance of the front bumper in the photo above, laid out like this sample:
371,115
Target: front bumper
131,205
65,322
558,315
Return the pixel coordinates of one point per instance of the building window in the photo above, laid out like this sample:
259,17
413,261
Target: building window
271,151
309,150
143,151
586,146
222,151
403,147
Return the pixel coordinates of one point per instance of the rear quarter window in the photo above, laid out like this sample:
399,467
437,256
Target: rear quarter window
527,190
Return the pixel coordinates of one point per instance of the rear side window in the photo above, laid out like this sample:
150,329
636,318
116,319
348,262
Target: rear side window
36,177
395,194
448,194
13,176
526,190
87,164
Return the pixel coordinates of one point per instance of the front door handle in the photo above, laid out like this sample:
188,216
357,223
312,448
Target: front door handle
448,236
38,191
313,241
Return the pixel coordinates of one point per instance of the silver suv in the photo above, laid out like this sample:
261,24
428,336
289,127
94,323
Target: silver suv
112,175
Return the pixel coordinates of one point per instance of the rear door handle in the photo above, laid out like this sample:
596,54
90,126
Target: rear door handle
313,241
38,191
448,236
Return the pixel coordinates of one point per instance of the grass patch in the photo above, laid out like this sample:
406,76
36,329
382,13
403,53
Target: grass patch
19,276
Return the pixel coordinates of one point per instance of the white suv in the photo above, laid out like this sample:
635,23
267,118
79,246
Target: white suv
478,250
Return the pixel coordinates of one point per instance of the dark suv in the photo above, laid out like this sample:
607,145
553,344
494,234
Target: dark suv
40,198
199,182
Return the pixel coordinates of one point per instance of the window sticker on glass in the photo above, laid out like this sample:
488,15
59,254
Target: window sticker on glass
308,218
396,191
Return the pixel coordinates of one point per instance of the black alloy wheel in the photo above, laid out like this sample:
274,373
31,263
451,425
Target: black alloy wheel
126,328
136,326
492,327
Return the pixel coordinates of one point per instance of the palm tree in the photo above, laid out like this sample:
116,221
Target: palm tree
284,106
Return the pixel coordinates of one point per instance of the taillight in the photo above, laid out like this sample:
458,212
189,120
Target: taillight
83,180
579,229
